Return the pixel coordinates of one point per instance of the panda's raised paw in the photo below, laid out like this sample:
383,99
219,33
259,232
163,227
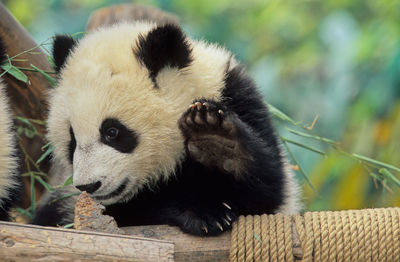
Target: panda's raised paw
211,138
204,116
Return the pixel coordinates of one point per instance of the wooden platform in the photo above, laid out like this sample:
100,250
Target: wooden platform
20,242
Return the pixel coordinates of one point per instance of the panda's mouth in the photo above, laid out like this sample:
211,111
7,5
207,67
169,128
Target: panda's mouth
114,193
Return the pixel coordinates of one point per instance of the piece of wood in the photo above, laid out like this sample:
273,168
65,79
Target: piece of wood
129,12
187,247
26,100
35,243
89,216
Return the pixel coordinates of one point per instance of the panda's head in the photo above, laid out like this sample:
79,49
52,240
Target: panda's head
113,115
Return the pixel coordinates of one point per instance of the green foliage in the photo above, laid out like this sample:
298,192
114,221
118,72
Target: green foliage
15,72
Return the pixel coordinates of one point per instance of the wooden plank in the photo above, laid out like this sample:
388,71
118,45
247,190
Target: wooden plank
20,242
187,247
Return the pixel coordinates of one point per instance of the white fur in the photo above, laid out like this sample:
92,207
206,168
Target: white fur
291,192
8,163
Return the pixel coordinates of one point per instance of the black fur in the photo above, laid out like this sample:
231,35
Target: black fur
62,47
266,173
72,145
51,214
13,198
125,142
90,188
116,192
163,46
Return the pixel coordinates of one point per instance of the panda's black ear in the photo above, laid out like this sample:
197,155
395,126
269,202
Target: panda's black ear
62,46
163,46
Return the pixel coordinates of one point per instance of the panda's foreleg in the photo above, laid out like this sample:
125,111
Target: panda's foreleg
54,209
212,137
248,170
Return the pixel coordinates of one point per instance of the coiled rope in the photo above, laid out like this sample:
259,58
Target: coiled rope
354,235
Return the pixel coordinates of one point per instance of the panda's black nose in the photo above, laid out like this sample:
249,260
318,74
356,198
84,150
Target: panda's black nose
90,188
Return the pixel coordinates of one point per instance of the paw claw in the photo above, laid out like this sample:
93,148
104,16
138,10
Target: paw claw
198,104
220,112
205,229
228,217
220,226
227,206
226,222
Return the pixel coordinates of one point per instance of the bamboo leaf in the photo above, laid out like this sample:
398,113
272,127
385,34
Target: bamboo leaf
315,137
377,177
276,112
26,121
257,237
389,175
51,61
302,172
44,184
15,72
49,78
29,133
37,121
45,154
23,212
65,196
375,162
33,195
69,225
303,146
68,182
45,146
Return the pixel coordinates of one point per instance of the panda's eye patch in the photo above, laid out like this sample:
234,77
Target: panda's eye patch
118,136
112,133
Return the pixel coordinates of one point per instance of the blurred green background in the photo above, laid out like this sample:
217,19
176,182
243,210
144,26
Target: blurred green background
339,59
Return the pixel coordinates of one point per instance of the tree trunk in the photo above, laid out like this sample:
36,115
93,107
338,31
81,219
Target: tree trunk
27,100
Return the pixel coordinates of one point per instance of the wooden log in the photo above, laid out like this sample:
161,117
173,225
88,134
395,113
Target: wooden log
187,247
27,100
35,243
128,12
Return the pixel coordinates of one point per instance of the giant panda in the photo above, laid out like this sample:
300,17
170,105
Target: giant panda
10,181
162,129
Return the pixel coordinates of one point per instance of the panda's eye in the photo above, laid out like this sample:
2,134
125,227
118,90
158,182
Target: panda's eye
111,133
118,136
